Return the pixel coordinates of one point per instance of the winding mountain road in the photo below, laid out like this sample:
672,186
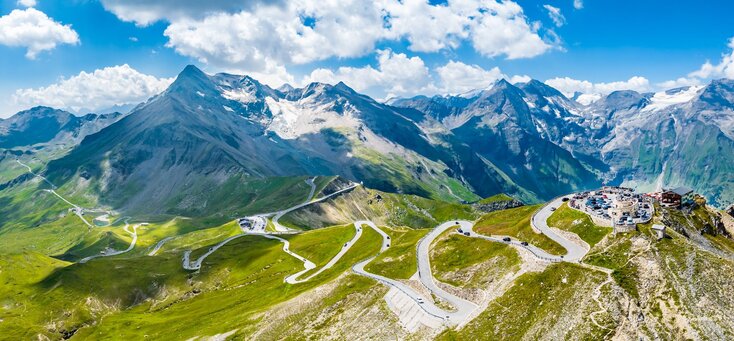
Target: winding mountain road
196,265
463,308
158,246
468,227
309,201
539,221
30,170
293,279
260,231
426,305
77,210
110,252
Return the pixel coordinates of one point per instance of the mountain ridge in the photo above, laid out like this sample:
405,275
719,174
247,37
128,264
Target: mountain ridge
526,139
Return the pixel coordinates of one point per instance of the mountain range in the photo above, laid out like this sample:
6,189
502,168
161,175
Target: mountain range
527,140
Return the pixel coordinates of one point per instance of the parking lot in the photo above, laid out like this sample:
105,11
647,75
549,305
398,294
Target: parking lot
614,206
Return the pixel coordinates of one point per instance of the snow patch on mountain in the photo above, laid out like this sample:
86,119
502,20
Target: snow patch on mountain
292,119
664,99
239,95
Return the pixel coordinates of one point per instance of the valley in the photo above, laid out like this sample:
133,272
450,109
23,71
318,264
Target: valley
422,306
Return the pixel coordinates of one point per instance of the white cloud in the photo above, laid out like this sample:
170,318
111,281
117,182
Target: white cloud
725,68
396,74
270,36
257,35
494,28
592,91
457,77
520,79
578,4
146,12
555,14
707,71
34,30
680,82
27,3
569,85
505,31
103,88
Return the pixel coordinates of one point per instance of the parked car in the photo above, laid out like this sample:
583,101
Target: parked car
564,199
466,234
506,239
524,243
553,208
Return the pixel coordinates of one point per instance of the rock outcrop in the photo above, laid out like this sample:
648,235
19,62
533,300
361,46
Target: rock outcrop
497,205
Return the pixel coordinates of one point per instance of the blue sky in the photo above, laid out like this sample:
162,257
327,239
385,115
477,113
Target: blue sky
596,47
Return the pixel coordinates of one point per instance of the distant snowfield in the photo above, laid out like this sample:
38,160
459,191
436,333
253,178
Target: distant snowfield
665,99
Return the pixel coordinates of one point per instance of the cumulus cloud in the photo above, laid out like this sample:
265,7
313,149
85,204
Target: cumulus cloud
592,91
679,82
146,12
457,77
27,3
279,35
707,71
34,30
396,73
724,69
103,88
555,14
260,34
494,28
507,32
569,86
578,4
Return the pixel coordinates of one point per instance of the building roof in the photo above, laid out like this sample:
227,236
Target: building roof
682,190
658,227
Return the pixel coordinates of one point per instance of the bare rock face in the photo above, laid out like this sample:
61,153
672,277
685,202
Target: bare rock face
730,210
497,205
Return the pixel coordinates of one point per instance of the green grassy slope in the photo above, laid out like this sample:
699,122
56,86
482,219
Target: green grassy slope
496,198
380,207
537,306
399,261
470,262
568,219
236,284
320,246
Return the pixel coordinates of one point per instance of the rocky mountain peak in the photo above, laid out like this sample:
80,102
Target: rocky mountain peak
718,94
